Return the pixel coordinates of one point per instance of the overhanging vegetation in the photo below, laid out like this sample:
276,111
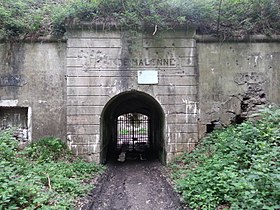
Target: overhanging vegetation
34,18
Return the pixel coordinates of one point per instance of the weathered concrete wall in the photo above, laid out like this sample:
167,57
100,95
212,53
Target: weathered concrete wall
199,86
101,65
235,78
33,75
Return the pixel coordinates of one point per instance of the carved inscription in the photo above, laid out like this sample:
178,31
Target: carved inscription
249,78
98,59
11,80
138,62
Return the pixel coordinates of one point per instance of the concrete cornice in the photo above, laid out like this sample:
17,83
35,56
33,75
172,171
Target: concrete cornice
206,38
40,39
250,38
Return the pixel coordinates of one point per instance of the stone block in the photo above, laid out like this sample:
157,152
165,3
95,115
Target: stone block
186,71
83,120
182,137
175,80
84,110
174,109
100,81
173,90
96,72
182,128
181,118
85,149
192,107
188,61
86,91
169,43
93,34
84,139
94,43
181,147
93,52
170,100
83,129
87,100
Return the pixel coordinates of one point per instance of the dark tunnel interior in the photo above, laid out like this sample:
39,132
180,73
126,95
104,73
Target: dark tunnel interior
119,112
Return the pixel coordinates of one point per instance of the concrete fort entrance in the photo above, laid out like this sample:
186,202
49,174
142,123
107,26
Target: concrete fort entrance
182,84
131,92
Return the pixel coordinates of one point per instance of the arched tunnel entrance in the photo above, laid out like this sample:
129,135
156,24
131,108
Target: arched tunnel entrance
132,126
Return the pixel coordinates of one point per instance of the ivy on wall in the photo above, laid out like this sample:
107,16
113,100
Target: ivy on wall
33,18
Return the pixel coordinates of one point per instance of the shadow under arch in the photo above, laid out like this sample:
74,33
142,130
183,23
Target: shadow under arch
132,102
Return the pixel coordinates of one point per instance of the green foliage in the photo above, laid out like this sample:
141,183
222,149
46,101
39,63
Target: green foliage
124,132
30,179
47,149
8,146
143,131
234,17
237,167
19,17
33,18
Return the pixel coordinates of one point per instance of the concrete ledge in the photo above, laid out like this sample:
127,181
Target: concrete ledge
206,38
45,39
251,38
114,24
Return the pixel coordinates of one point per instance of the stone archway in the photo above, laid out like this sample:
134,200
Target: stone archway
132,102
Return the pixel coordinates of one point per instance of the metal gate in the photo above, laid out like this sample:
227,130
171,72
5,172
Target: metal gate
132,132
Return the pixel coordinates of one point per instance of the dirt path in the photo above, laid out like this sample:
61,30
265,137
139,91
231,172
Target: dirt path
134,185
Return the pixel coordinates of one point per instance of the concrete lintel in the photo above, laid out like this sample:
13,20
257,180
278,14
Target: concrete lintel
8,103
14,103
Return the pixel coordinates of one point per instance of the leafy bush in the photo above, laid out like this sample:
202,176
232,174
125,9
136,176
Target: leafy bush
33,18
8,146
236,167
40,177
47,149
